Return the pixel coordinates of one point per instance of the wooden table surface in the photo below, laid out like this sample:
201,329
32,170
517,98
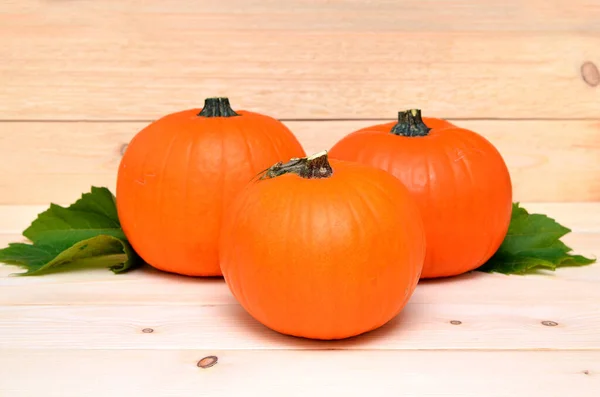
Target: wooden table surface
93,333
78,79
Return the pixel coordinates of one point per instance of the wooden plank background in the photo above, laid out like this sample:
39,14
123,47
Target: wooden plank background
250,373
80,78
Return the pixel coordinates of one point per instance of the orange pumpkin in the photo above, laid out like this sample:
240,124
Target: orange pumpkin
459,179
323,250
179,174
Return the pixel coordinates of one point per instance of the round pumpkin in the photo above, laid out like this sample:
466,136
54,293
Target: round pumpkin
459,179
323,250
179,174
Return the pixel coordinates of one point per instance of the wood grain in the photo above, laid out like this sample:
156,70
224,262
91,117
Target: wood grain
80,78
287,373
549,160
428,15
97,309
140,60
420,326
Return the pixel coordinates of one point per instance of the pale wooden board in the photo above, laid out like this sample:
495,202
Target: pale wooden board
147,286
464,15
142,59
174,373
420,326
302,59
94,309
548,160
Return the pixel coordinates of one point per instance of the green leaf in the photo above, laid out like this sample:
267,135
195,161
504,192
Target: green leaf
102,250
93,214
532,242
85,234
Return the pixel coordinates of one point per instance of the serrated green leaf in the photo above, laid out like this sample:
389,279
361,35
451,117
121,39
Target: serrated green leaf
533,242
94,213
87,233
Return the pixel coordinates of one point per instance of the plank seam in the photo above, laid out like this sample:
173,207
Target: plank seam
288,349
307,119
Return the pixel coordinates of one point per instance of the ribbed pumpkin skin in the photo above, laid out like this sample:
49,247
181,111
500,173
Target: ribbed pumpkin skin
323,258
179,174
460,182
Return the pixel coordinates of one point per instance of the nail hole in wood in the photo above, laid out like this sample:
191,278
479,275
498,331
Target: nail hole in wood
550,323
207,362
590,74
455,322
123,148
147,330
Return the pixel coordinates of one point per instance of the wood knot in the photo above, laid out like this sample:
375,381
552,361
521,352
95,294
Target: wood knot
590,74
550,323
207,362
455,322
123,148
147,330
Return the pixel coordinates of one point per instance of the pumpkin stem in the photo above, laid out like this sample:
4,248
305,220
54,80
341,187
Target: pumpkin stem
313,167
217,107
410,123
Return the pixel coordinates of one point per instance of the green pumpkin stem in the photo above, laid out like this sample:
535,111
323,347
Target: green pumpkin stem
410,123
313,167
217,107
